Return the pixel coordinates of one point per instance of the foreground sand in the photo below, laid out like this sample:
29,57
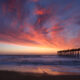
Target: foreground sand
12,75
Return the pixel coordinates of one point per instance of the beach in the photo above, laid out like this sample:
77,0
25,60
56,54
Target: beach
12,75
39,39
26,67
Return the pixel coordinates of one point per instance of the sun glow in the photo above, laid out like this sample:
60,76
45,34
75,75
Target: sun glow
18,49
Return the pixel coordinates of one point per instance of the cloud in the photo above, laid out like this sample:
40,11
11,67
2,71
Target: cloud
40,23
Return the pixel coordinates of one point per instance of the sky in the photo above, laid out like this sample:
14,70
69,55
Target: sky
39,26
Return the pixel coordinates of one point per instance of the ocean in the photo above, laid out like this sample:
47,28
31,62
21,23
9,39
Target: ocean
39,63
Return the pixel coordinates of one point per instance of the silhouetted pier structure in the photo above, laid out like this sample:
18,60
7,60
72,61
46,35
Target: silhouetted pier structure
70,53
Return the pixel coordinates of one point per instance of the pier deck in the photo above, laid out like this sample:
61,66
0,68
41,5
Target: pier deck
70,53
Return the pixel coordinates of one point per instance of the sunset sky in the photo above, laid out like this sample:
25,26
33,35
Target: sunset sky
39,26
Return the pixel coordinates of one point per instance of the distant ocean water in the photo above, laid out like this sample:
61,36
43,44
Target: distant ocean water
39,63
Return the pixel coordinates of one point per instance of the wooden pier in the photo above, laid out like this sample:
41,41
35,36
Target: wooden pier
70,53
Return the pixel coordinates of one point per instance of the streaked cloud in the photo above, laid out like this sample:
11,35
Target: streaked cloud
48,23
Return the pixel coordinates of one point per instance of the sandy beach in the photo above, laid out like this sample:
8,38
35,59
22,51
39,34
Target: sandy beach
39,68
13,75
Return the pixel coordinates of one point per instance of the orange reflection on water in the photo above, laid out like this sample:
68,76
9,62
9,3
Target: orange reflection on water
38,69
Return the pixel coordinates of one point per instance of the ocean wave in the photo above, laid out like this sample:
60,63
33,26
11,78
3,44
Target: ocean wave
38,60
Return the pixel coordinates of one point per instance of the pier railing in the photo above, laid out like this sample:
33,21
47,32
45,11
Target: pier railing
70,53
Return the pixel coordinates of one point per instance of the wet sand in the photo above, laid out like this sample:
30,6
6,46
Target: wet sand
13,75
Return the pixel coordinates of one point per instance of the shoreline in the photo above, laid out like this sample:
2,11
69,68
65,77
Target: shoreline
39,70
16,75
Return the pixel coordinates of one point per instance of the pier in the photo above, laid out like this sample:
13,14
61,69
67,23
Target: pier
70,53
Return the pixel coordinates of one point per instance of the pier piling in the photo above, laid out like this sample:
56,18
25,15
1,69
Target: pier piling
70,53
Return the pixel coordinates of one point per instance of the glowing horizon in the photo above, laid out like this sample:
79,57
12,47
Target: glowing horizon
18,49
